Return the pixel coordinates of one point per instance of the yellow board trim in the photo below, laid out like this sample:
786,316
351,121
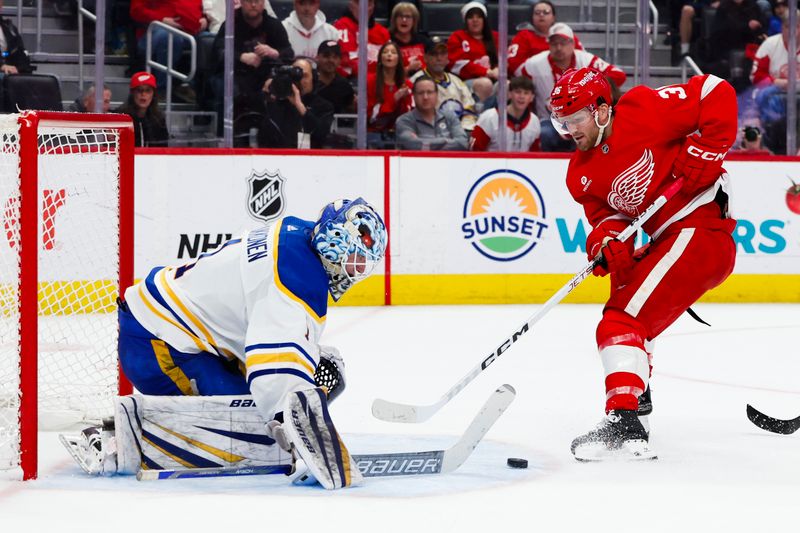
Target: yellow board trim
99,296
281,287
222,454
282,357
159,314
480,289
169,368
192,318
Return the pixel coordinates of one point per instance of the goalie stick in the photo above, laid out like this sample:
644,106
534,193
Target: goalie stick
380,464
775,425
407,413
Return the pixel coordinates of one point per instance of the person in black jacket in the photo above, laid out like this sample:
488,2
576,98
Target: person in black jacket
301,120
259,44
14,58
149,125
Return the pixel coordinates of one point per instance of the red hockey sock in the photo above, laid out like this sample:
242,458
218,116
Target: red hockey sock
623,390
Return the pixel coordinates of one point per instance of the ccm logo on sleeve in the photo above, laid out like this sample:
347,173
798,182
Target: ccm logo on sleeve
694,151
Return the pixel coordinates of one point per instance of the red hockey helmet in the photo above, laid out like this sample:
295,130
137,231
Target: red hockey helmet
577,89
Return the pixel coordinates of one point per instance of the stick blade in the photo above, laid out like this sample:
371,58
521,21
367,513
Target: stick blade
774,425
495,406
402,413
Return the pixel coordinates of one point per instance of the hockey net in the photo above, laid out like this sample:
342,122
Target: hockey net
65,256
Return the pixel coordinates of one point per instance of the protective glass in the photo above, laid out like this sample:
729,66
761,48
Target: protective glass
577,119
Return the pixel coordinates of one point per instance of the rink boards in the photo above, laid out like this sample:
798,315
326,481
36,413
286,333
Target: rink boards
463,229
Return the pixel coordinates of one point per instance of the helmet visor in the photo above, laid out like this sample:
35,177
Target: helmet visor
578,119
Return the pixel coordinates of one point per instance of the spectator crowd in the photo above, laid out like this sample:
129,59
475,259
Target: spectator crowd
296,77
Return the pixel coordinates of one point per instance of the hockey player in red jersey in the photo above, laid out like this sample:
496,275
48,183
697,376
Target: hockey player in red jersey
625,158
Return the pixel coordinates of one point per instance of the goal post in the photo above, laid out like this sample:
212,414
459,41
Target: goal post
66,254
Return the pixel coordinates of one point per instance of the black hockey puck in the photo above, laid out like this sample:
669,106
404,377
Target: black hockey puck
516,462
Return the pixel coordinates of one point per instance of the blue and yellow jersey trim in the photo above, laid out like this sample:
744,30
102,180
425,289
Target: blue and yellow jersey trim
297,269
156,289
279,358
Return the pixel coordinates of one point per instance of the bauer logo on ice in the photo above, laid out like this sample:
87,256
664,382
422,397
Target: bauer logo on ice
265,195
504,215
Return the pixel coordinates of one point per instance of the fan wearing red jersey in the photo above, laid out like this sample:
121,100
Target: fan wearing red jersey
623,162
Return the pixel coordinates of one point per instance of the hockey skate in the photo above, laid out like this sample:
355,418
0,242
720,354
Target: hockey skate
620,435
93,449
645,408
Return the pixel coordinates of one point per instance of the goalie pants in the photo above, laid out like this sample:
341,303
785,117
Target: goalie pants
156,368
676,271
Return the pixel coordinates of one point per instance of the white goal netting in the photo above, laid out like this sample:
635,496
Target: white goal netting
78,276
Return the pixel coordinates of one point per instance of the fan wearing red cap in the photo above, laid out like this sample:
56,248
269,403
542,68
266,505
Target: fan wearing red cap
149,125
627,156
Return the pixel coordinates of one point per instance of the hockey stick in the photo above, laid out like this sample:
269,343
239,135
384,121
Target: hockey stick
775,425
400,412
380,464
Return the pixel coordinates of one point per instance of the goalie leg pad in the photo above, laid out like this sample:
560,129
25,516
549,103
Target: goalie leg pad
309,427
205,432
177,432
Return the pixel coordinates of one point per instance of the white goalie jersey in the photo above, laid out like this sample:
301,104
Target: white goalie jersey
261,299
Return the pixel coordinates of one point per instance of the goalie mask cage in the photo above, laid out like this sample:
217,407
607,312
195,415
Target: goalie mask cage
66,187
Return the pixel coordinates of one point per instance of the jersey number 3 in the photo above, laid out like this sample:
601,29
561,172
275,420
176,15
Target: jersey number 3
667,92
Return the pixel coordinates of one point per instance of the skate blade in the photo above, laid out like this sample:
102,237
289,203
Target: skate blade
637,450
71,444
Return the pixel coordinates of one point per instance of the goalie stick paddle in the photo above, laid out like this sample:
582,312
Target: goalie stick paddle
775,425
380,464
407,413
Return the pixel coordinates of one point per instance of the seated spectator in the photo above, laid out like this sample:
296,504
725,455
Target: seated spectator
14,58
531,39
214,11
388,96
333,87
259,45
737,24
454,95
149,124
546,67
779,10
522,126
403,29
473,51
299,119
85,102
307,29
426,127
347,25
770,70
185,15
751,142
683,15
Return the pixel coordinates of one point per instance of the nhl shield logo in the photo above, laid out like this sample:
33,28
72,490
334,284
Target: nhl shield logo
265,195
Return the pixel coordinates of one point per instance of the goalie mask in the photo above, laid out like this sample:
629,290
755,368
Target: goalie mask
575,99
350,238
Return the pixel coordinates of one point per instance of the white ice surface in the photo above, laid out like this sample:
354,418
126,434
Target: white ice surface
716,471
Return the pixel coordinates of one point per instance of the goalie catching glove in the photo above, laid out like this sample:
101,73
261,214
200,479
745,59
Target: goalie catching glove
699,165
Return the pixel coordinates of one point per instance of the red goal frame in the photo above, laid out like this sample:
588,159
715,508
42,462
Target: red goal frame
29,122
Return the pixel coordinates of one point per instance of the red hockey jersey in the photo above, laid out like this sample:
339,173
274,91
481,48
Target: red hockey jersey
527,43
467,55
620,178
348,42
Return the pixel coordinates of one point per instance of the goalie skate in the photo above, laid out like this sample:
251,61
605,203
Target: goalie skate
619,436
91,449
